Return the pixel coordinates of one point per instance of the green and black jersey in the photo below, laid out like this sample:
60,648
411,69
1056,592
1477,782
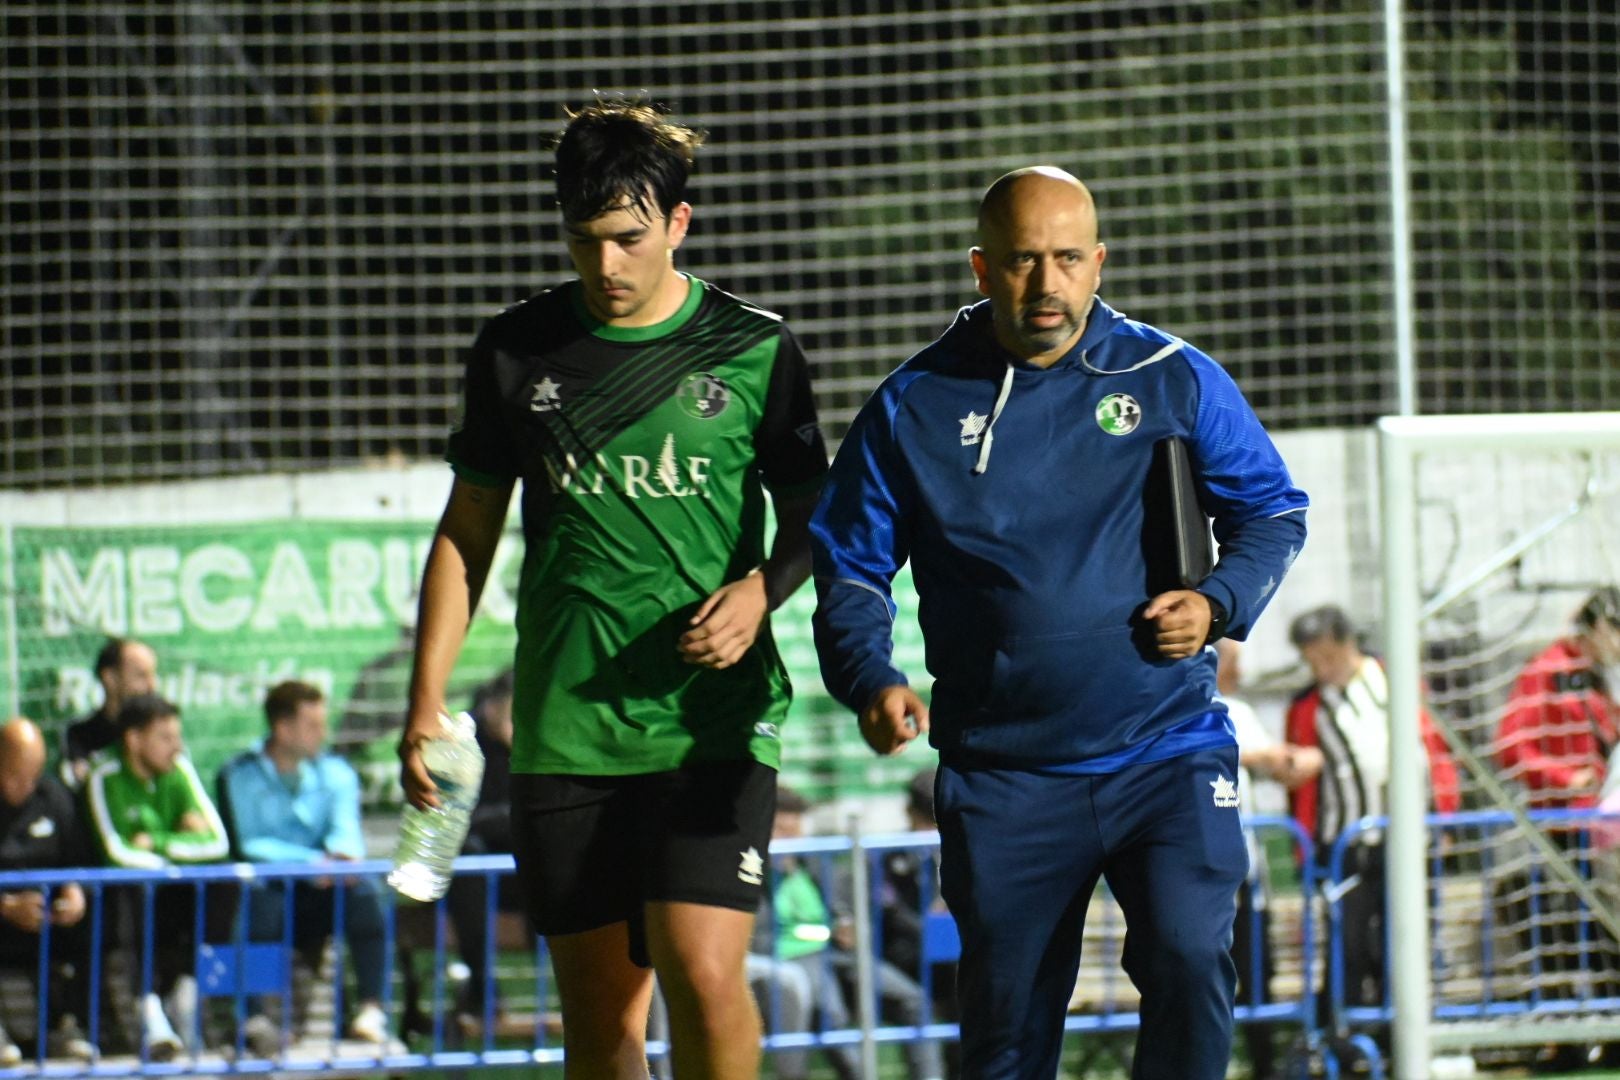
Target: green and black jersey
644,454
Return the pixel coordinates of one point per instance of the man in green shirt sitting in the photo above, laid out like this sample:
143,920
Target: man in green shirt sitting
148,809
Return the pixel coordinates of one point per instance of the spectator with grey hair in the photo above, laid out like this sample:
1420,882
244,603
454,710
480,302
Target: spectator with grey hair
1344,714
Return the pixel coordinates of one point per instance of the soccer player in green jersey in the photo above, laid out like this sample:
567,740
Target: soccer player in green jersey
647,413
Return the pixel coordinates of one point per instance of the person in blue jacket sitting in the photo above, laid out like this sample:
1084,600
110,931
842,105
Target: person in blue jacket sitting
290,801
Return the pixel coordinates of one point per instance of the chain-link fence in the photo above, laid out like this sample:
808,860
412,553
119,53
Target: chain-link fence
242,237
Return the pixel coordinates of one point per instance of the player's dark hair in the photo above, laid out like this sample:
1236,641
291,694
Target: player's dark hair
789,801
143,710
284,699
623,154
1327,621
1602,606
111,654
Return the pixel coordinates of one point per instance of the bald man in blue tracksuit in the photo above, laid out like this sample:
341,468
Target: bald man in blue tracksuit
1074,708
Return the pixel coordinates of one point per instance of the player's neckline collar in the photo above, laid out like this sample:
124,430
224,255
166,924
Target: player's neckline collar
608,332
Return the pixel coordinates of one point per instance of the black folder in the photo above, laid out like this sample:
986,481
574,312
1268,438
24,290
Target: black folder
1175,533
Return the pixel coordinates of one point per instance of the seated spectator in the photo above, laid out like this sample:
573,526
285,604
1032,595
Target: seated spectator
900,997
147,810
289,801
822,941
790,964
39,830
125,669
489,833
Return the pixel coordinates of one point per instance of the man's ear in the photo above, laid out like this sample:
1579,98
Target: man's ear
980,270
680,219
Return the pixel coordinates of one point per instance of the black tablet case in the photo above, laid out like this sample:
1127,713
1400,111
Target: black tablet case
1175,533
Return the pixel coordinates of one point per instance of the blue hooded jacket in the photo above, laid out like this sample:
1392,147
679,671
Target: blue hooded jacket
1017,494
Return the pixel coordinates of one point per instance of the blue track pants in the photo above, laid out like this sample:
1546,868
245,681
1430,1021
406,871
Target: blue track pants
1021,853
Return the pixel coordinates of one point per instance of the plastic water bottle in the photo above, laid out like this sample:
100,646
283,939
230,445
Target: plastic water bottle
430,840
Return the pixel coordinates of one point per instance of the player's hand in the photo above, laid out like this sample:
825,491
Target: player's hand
725,624
24,910
893,717
420,790
67,906
1181,622
141,841
192,821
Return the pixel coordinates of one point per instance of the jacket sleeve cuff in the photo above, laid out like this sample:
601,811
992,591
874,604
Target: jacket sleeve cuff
867,686
1222,594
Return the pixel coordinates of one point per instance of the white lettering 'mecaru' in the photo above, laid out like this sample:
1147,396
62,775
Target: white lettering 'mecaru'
160,590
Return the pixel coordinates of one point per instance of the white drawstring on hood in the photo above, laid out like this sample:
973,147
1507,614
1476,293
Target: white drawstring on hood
1086,363
983,462
990,429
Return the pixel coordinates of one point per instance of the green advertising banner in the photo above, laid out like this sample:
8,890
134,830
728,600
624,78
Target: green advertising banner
233,609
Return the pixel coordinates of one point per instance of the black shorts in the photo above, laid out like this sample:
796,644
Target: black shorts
593,850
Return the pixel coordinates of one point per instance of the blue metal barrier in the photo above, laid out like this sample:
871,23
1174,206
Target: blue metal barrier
1113,1016
239,970
1498,996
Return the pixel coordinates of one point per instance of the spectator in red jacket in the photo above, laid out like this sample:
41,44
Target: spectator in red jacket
1559,727
1555,739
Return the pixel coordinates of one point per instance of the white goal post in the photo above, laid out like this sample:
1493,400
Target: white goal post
1403,441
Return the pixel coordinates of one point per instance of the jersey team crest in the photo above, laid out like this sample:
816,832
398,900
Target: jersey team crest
704,395
1118,414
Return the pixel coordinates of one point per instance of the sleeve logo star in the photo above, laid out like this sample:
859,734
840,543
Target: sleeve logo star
1225,792
547,396
972,428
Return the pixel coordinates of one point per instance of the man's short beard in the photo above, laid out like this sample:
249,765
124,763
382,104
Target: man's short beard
1046,340
1073,323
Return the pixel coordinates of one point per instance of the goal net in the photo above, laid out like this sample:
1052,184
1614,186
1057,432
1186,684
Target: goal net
1502,553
